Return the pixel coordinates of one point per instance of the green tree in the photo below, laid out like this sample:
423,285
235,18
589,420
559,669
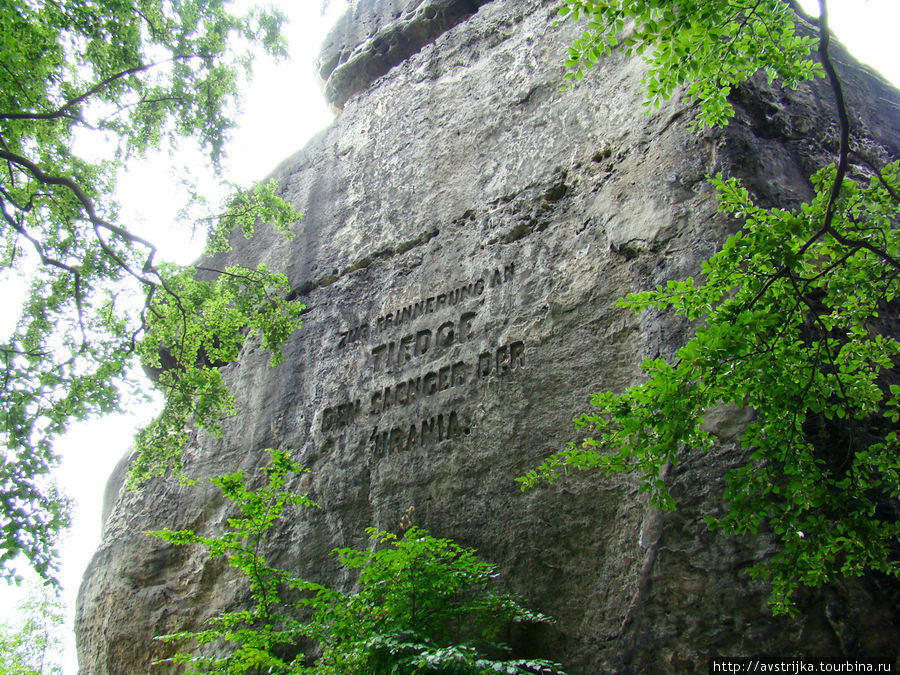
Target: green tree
792,316
259,632
34,645
422,604
132,76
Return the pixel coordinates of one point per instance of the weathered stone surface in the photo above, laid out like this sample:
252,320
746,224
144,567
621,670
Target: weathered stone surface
467,227
373,36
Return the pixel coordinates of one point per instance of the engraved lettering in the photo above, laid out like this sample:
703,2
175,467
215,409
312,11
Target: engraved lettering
396,354
423,339
453,427
427,434
445,334
374,438
435,303
502,359
516,354
389,357
466,292
444,380
440,428
485,361
465,326
340,415
354,334
429,384
380,354
458,376
413,389
433,339
405,352
397,439
444,426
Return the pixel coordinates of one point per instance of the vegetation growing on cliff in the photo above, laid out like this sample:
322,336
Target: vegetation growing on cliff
119,78
422,604
795,316
259,632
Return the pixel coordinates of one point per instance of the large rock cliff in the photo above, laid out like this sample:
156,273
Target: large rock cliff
466,228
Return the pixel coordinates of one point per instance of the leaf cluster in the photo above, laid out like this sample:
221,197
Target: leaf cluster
34,644
256,633
128,76
194,329
793,317
788,326
421,604
706,46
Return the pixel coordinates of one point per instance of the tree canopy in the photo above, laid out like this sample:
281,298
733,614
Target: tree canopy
795,315
133,76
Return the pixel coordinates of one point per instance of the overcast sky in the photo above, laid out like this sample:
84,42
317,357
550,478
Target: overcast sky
283,109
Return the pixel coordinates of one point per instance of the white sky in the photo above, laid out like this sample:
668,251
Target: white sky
283,109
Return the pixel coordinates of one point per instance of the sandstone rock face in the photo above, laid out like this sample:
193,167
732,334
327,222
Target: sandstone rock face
467,226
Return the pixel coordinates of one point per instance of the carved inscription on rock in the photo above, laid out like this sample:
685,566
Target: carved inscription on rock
425,360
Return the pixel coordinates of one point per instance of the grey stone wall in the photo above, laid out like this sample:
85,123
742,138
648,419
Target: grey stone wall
467,226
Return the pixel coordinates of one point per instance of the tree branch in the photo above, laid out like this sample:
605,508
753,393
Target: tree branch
843,119
88,206
841,171
800,12
871,166
99,223
64,110
53,262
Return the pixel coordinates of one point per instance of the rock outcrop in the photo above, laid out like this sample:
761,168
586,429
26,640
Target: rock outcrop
467,227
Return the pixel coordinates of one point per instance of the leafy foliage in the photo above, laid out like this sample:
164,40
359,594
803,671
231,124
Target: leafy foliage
33,646
130,76
707,46
256,632
794,321
423,604
240,302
